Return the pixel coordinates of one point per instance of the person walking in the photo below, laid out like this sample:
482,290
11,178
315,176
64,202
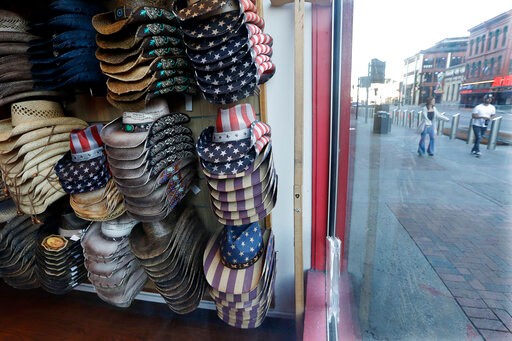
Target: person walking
429,117
481,115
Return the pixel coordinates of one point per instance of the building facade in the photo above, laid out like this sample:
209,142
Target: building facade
453,79
424,73
488,66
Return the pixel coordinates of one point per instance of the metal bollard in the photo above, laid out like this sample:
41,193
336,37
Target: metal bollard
455,126
404,117
493,134
418,118
410,118
471,133
440,126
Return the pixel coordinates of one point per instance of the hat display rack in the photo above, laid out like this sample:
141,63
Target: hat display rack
164,184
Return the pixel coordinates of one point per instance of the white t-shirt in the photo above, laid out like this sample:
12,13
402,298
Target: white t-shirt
485,111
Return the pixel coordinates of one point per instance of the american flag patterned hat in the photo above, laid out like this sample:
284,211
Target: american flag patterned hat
241,246
242,297
235,133
246,198
220,52
251,215
232,281
214,26
196,9
257,162
226,75
202,44
83,168
246,181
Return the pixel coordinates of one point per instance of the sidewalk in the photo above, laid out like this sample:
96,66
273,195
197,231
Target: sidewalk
430,238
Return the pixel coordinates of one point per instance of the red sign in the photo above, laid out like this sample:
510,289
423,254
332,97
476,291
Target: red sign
502,81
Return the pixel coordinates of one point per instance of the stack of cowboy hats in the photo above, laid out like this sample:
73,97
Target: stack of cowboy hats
239,265
7,206
227,47
151,156
4,192
83,173
72,226
16,81
18,238
31,142
170,252
64,56
112,267
142,53
236,159
59,259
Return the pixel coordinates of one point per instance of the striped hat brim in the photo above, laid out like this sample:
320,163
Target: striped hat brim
264,290
265,207
245,199
251,179
231,281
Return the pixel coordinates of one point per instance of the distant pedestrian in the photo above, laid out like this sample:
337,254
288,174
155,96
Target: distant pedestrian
482,114
428,126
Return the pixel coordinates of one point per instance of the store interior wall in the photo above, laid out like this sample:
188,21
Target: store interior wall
279,23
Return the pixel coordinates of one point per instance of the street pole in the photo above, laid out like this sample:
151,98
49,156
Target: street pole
357,100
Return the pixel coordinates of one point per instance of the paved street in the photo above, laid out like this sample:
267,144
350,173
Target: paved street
430,241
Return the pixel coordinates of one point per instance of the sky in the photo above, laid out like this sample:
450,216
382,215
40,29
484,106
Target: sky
392,30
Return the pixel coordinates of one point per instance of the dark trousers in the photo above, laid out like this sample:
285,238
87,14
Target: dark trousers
479,133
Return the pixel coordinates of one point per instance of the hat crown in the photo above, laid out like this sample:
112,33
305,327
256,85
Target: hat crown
235,118
29,111
241,244
140,3
86,140
12,22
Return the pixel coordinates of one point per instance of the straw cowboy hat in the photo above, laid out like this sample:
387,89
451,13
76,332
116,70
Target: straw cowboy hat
12,22
31,115
141,142
169,65
128,39
60,261
17,243
132,12
174,45
169,253
103,204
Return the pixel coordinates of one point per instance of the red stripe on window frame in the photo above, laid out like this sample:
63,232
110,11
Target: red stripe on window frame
321,92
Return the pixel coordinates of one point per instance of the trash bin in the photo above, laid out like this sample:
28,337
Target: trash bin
382,123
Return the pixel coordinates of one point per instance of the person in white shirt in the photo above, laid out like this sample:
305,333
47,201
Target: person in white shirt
481,115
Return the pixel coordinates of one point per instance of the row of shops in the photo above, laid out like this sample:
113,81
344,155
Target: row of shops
501,87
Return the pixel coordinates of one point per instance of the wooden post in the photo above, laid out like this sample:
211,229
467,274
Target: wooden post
298,164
